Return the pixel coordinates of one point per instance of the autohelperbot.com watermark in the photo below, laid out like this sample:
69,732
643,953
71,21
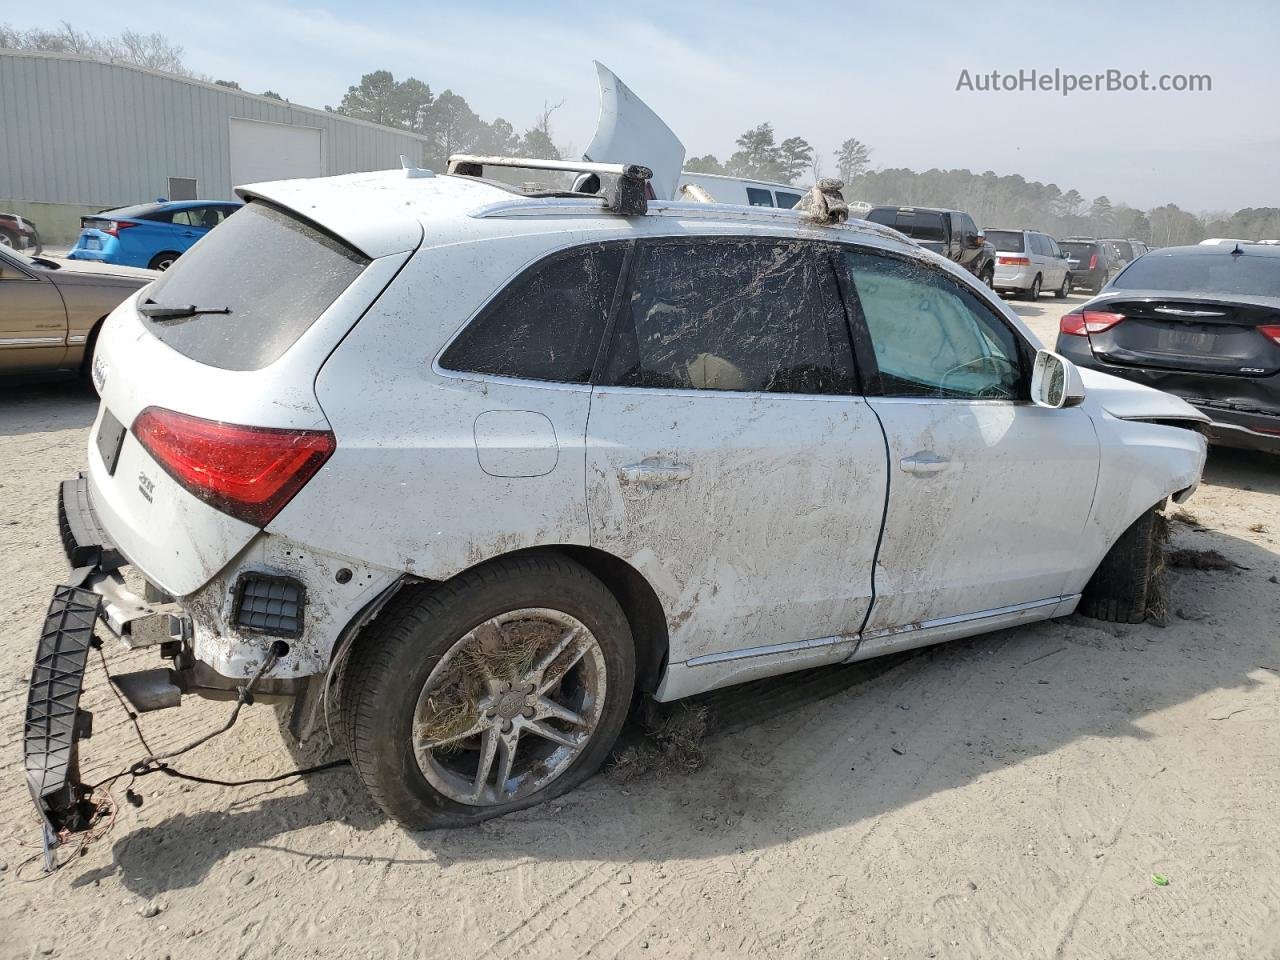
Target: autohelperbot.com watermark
1066,83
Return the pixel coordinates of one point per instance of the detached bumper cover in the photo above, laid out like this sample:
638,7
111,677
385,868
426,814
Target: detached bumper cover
54,720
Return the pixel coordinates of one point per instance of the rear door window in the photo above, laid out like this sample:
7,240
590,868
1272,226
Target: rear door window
275,273
740,315
548,324
759,198
786,200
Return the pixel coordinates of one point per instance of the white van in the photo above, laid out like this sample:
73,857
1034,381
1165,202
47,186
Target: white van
750,193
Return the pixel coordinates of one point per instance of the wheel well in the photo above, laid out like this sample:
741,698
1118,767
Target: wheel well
639,603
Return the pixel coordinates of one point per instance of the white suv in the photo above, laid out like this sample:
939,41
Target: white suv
461,471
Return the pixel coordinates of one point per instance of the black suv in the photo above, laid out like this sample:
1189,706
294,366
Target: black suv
1093,262
951,233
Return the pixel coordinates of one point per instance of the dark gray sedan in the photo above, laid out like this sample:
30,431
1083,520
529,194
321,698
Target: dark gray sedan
1201,322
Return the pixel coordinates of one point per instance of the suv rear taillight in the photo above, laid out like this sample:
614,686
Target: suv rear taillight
1093,262
1271,331
248,472
1088,321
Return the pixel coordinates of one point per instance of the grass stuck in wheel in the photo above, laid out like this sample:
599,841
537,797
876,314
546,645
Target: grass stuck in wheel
505,651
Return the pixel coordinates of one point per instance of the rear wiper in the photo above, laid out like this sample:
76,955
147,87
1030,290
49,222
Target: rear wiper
162,311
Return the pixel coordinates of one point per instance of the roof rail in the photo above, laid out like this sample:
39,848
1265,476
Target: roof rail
623,185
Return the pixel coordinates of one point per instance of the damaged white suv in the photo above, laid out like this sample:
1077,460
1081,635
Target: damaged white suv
462,471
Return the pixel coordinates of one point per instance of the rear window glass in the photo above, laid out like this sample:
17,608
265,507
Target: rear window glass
1078,250
1123,248
275,273
759,198
883,215
787,200
548,324
1203,273
1006,241
921,226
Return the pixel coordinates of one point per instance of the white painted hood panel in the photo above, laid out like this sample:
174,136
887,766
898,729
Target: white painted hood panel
628,131
1133,401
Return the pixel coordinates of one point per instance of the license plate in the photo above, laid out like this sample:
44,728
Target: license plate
1186,341
92,243
110,439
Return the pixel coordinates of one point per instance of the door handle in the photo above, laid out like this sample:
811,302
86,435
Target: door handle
651,474
924,463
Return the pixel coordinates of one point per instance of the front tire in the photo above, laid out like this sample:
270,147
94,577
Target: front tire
988,276
498,690
1130,576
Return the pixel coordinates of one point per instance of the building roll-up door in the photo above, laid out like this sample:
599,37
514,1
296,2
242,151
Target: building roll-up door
274,151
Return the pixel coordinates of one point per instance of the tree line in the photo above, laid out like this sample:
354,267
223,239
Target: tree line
449,125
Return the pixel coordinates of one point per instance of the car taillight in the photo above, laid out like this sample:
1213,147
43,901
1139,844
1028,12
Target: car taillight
113,227
1093,262
1271,331
248,472
1088,321
1014,261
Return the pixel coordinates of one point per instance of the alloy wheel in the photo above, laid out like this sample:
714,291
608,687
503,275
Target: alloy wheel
509,707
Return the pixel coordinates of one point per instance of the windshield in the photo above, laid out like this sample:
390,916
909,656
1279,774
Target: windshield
1220,273
1006,241
273,274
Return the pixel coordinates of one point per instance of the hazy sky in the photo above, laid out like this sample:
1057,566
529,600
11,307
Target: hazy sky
885,73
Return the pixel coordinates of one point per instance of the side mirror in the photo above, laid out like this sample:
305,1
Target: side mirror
976,240
1055,381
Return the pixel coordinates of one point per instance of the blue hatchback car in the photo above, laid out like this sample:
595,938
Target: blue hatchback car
151,235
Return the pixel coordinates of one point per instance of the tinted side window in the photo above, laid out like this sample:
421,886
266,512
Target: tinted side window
759,198
931,337
786,200
728,315
547,325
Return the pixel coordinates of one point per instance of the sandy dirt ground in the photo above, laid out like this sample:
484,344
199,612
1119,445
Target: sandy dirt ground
1006,796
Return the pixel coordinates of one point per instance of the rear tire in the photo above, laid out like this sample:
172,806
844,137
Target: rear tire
1034,293
7,239
1121,589
413,766
1065,289
162,261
